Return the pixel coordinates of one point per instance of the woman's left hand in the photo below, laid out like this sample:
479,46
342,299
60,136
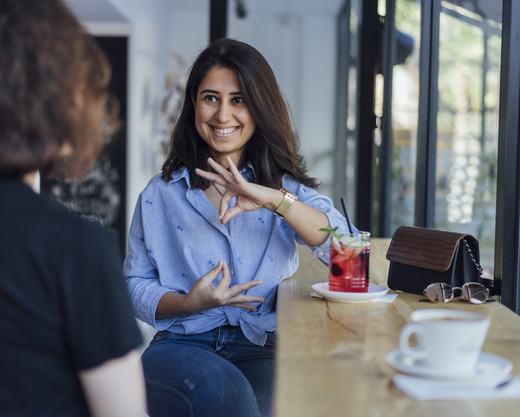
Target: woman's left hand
248,196
305,220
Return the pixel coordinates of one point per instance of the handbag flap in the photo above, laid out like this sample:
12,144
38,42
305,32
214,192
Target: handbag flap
424,248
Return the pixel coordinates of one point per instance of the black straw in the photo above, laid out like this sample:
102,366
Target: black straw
349,224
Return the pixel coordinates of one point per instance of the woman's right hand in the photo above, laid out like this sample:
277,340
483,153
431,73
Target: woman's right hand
204,295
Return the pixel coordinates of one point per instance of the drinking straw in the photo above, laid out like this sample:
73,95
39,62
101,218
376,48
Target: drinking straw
349,224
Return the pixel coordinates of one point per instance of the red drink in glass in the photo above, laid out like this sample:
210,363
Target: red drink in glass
349,262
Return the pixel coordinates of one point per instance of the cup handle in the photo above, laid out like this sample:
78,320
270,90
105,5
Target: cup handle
404,342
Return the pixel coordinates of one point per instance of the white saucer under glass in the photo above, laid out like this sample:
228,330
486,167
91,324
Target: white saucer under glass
374,291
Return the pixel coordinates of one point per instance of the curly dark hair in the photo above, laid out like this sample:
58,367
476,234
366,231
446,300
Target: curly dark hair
53,90
272,150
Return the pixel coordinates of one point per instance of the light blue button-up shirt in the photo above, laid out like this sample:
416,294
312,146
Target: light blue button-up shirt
176,237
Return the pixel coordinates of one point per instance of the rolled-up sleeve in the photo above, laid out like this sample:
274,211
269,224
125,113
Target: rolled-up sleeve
323,203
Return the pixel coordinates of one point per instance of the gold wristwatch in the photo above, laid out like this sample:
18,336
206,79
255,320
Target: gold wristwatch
288,200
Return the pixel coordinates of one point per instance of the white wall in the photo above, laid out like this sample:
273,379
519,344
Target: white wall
158,28
301,48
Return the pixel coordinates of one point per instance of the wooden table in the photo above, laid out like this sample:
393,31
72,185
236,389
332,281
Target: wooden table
330,358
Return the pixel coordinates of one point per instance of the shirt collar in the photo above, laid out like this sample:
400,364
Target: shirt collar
180,174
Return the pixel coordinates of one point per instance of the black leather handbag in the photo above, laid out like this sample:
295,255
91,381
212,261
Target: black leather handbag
420,256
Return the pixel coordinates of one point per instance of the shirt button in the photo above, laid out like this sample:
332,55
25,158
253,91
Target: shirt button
232,272
321,253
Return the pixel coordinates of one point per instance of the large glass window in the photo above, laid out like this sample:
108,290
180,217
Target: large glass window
465,136
445,139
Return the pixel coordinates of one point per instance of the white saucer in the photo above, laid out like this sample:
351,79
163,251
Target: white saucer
488,366
373,292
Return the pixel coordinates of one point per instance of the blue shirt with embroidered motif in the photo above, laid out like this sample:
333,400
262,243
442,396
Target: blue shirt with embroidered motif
176,237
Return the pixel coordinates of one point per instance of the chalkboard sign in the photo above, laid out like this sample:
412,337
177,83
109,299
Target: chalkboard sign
101,194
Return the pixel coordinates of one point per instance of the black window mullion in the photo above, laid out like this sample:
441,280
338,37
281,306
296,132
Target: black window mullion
340,154
366,122
385,154
507,255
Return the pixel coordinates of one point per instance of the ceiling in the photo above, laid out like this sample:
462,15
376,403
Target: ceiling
105,11
95,11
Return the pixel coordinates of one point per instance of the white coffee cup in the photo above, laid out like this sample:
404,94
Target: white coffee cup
449,341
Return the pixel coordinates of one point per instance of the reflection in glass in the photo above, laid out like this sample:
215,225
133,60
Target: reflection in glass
405,107
467,123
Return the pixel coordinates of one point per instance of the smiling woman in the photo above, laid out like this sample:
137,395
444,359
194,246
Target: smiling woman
214,235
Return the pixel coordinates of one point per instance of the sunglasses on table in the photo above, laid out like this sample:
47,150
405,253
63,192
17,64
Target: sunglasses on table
440,292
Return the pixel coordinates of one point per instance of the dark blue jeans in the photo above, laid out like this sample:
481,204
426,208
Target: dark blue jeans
218,373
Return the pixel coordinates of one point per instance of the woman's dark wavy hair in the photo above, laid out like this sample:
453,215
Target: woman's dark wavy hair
272,150
48,64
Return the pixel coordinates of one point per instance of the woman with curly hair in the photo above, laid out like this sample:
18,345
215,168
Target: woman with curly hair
69,344
215,233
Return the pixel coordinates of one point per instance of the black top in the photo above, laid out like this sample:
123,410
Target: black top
64,306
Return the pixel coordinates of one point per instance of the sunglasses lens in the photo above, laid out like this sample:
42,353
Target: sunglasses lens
439,292
475,293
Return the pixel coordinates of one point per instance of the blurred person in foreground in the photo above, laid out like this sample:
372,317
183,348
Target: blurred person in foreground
69,341
215,233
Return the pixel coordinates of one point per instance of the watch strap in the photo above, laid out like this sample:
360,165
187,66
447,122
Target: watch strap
287,201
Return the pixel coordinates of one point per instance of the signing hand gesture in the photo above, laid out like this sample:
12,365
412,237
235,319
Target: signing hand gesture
204,295
248,196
